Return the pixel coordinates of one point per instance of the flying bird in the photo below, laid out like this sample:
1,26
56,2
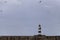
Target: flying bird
40,1
5,1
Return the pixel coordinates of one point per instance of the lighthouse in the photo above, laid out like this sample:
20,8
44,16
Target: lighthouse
39,29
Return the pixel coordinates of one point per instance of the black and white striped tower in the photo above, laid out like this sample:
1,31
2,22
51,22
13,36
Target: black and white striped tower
39,29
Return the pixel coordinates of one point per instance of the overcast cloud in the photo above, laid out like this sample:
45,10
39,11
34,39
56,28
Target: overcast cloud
22,17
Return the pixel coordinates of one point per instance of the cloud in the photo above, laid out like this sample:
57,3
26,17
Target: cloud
27,15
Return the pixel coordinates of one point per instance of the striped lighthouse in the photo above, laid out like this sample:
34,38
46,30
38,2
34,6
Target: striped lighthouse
39,29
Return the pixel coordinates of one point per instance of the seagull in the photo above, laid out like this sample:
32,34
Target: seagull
5,1
40,1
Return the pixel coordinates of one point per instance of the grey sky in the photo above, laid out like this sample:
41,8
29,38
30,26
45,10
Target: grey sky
21,17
